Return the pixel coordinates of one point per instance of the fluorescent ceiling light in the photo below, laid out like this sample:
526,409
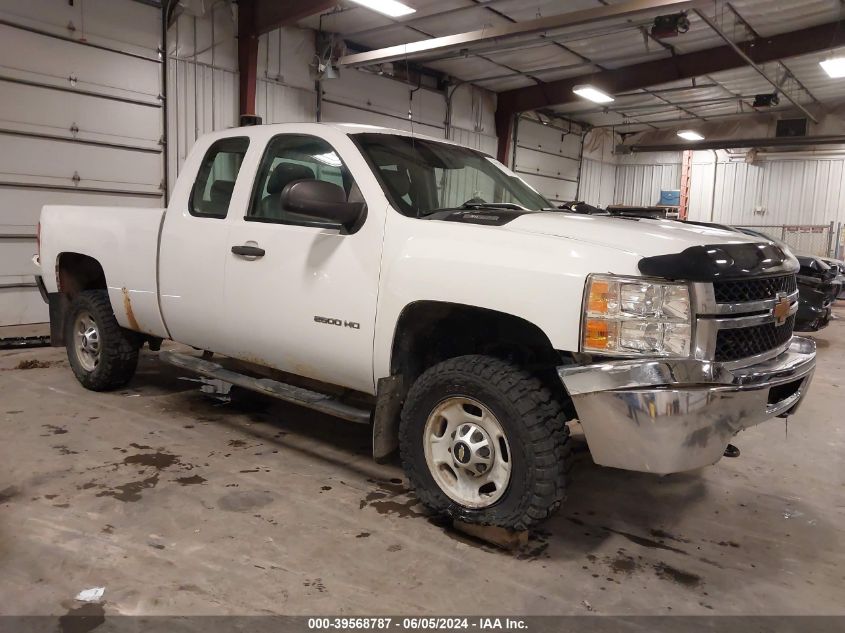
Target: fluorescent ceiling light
592,93
690,135
329,158
835,67
387,7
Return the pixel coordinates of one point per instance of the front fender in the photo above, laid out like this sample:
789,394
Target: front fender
537,278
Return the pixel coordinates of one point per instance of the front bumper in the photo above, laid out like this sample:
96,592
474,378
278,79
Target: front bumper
666,416
812,318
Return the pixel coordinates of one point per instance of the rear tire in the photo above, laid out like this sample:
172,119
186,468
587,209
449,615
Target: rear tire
483,441
102,354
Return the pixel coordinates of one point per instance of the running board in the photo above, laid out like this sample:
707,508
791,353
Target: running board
283,391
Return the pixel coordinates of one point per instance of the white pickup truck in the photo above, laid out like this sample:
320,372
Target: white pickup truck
421,287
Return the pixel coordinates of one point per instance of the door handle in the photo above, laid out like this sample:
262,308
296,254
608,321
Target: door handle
248,251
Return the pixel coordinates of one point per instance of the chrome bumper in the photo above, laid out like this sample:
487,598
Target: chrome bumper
665,416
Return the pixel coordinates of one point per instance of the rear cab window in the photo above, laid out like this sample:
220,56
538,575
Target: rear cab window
216,178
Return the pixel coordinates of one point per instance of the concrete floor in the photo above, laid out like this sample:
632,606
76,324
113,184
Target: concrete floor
178,503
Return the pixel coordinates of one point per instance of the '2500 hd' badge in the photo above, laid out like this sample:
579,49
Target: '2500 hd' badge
338,322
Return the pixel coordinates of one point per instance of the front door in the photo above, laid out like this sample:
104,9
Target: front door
303,298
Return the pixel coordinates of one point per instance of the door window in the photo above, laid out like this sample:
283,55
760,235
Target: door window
215,181
292,157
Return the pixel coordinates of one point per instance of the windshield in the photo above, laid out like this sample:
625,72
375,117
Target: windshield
421,177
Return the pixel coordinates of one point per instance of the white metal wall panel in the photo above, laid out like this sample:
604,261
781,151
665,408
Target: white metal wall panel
37,161
117,24
641,184
202,64
284,56
46,60
475,140
803,192
770,192
598,179
80,122
279,103
27,203
553,189
202,99
361,97
38,110
285,92
549,157
336,112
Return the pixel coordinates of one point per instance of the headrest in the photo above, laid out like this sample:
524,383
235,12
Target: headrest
285,173
222,190
397,182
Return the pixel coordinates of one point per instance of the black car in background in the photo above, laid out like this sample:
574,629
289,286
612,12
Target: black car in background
819,284
840,268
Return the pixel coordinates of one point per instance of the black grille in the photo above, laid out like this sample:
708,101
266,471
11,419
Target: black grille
757,289
738,343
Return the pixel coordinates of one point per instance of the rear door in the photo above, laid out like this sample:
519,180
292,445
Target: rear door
195,244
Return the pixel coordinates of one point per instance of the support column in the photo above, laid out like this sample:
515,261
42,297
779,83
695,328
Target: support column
247,56
504,132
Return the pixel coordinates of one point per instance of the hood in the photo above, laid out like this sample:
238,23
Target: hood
644,237
816,268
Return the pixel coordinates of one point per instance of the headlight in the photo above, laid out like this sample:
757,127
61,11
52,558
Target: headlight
630,316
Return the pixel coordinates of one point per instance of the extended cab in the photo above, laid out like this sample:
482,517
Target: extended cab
423,288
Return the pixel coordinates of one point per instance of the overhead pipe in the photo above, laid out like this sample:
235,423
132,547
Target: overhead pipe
753,64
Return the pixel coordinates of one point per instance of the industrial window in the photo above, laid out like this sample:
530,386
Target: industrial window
292,157
215,181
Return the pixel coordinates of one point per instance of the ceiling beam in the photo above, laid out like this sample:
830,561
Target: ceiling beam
272,14
682,66
430,48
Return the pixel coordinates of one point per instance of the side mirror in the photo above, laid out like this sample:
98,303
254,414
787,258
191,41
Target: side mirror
323,201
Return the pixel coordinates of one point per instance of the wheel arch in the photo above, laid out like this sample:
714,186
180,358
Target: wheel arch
428,332
76,272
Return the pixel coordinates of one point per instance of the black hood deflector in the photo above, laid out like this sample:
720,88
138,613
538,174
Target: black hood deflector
721,261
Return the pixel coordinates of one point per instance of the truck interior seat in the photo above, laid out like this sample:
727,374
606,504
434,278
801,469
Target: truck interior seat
220,195
283,174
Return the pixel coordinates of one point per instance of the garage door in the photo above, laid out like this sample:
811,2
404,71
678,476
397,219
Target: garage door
549,157
80,122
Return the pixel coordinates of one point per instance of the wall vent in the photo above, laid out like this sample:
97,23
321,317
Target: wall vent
791,128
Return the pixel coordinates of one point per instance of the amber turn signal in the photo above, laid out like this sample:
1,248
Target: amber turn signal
599,295
597,334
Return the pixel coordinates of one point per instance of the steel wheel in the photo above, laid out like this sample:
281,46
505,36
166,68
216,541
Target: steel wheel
86,339
467,452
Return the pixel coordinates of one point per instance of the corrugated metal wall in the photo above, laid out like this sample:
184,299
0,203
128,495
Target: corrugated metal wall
204,85
641,177
769,191
285,92
202,63
598,181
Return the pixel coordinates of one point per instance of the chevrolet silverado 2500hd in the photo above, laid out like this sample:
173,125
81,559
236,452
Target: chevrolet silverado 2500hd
423,288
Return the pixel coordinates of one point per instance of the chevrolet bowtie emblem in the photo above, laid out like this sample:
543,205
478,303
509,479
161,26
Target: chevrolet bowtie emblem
781,310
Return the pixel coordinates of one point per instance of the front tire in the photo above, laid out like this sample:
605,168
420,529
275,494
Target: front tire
483,441
102,354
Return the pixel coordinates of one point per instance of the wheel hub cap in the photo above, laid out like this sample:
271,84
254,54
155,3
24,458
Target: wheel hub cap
86,341
472,449
467,452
